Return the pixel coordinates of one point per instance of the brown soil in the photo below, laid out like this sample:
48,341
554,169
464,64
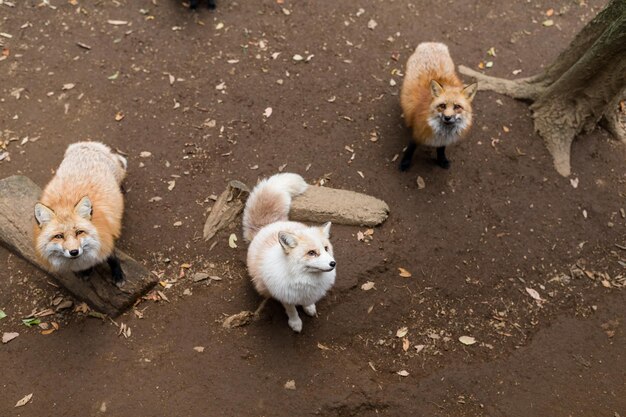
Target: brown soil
499,221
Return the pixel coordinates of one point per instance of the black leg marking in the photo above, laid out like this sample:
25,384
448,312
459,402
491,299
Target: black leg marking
408,156
193,4
212,4
85,274
116,269
442,161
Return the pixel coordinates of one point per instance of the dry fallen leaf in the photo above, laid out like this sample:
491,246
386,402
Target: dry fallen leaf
467,340
24,401
199,349
232,239
548,22
534,294
367,286
371,25
7,337
421,184
404,273
119,116
268,112
402,332
405,344
403,373
291,384
322,347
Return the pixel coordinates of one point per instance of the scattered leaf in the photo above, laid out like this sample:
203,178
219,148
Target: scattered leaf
405,344
291,384
24,401
68,86
534,294
232,239
548,23
574,182
403,373
7,337
31,321
402,332
421,184
2,314
117,22
467,340
367,286
298,57
119,116
371,25
268,112
322,347
199,349
404,273
114,76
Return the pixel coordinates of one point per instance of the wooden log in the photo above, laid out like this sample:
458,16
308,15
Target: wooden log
18,196
226,208
323,204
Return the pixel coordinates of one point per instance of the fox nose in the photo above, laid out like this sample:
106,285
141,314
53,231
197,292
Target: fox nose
447,118
332,264
74,252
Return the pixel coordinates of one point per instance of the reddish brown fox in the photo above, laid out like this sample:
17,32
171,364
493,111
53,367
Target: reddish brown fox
436,104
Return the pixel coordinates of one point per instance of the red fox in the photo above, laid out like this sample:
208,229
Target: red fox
434,102
79,214
288,261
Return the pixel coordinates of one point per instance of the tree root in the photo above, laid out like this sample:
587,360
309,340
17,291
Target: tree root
522,89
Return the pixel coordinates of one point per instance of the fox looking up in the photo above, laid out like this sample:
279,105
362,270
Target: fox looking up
79,214
434,101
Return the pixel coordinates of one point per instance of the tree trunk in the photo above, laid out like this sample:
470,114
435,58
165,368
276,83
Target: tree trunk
586,82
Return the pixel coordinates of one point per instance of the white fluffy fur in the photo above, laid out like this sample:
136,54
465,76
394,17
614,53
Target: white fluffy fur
446,134
278,257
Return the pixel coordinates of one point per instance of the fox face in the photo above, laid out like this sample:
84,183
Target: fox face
309,250
451,110
67,239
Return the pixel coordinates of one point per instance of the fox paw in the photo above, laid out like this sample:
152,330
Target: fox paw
405,164
310,310
296,324
445,164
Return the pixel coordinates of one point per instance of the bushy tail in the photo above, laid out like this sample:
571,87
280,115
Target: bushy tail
269,202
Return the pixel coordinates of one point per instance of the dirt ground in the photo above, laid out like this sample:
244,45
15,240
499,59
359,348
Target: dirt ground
192,88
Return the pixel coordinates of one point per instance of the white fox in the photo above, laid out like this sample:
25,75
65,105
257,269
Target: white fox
288,261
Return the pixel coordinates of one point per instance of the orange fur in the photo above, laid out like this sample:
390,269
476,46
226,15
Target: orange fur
431,61
89,169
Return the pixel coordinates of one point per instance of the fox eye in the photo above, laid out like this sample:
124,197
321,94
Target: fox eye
58,236
79,232
442,106
458,107
312,253
326,248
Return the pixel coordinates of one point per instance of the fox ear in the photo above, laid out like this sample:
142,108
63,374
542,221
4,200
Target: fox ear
470,91
43,214
287,241
84,208
326,229
435,88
